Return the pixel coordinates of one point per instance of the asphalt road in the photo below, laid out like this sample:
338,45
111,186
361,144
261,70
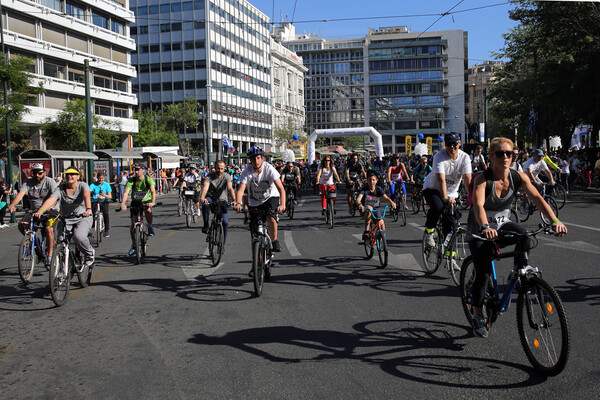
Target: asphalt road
330,324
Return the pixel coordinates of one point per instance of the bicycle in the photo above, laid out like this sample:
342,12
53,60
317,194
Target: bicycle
524,207
376,238
140,236
188,208
98,227
451,252
216,232
32,248
418,201
290,201
539,308
558,192
356,186
330,195
67,261
262,252
180,202
400,204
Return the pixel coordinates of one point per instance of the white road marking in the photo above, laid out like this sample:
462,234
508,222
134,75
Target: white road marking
581,226
202,268
301,202
575,245
289,244
405,261
415,225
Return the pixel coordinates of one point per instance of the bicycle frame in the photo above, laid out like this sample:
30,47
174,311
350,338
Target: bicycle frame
376,223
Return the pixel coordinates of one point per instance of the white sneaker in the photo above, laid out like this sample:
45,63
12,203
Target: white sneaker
454,266
3,226
429,241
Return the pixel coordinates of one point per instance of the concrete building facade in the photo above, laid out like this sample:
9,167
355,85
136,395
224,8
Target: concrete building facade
480,76
58,36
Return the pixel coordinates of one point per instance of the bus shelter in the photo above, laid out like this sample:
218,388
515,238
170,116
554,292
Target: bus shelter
54,161
159,161
111,162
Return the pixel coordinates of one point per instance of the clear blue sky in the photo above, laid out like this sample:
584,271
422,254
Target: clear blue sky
485,26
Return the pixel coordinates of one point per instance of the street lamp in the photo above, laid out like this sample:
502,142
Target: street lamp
466,127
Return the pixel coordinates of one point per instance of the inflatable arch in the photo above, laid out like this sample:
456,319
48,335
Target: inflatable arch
343,133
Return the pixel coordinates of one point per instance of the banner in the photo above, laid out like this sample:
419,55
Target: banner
102,166
25,167
429,143
408,144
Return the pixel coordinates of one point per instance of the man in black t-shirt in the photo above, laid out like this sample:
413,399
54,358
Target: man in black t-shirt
354,172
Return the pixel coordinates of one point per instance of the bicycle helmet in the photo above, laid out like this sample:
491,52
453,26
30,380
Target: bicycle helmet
255,151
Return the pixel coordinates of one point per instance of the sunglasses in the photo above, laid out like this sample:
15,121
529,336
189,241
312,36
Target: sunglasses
503,154
455,145
39,173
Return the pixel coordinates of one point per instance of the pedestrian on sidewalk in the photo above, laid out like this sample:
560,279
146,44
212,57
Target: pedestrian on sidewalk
5,190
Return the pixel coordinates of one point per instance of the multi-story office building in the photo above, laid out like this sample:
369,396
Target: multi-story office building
477,102
398,82
287,70
58,36
215,51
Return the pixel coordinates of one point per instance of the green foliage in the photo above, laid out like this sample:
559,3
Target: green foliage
353,142
180,116
283,134
68,131
553,55
20,93
153,131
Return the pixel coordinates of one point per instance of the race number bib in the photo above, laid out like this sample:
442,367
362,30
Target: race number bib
189,192
372,201
139,195
396,177
497,218
259,191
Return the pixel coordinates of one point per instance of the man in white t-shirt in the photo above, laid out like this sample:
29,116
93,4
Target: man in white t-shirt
441,185
536,165
265,192
192,180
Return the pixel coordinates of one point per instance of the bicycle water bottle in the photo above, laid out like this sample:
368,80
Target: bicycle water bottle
448,237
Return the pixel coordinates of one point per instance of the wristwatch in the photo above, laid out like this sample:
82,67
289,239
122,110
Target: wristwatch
484,226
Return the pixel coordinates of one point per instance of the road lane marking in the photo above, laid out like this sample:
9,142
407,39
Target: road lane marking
580,226
202,268
289,244
415,225
577,245
301,202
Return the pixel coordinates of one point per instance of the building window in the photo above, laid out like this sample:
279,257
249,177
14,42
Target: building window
54,70
121,112
53,4
76,75
75,11
99,20
102,109
102,81
117,27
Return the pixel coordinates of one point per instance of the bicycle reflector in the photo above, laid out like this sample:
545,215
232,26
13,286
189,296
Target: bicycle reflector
549,308
536,343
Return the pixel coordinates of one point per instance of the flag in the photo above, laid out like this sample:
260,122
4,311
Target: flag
533,120
226,142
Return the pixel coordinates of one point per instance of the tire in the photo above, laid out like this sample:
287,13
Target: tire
179,207
97,233
215,243
460,251
138,244
85,275
432,257
543,326
382,249
560,195
329,213
353,208
522,207
467,277
395,212
514,217
552,203
188,214
258,266
101,227
369,250
416,204
26,259
403,211
59,283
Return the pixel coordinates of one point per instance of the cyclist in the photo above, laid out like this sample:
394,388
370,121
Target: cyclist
75,199
394,175
38,189
354,172
192,180
534,166
419,173
143,190
214,189
494,192
478,161
326,177
440,189
313,169
291,179
370,197
102,194
265,192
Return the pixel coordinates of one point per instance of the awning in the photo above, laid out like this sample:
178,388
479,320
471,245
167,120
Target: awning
165,157
57,155
118,155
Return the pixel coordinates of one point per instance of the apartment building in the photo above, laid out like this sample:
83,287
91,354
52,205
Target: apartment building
477,102
215,51
58,36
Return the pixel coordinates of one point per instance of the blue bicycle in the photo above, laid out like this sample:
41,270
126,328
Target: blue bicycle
375,238
32,249
541,318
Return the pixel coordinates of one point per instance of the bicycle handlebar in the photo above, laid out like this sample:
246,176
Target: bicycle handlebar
384,209
548,230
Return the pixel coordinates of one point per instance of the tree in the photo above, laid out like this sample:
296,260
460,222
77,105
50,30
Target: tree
68,131
353,142
283,134
153,130
553,55
181,116
20,93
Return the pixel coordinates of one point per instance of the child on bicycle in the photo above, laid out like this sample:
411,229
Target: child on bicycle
370,197
395,177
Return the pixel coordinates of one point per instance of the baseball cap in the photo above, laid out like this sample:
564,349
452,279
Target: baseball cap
37,166
139,166
452,137
538,152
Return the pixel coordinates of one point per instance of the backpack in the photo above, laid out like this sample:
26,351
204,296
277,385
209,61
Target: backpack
516,178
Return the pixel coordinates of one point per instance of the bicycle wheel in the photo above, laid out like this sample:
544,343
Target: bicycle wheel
396,211
179,207
353,207
514,217
329,213
258,266
416,204
26,260
59,276
432,255
543,326
402,210
216,243
97,232
559,193
101,227
382,249
459,250
552,203
85,275
522,206
188,214
369,250
138,244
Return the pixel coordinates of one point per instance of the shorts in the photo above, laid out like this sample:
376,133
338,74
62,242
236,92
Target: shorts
133,209
269,207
